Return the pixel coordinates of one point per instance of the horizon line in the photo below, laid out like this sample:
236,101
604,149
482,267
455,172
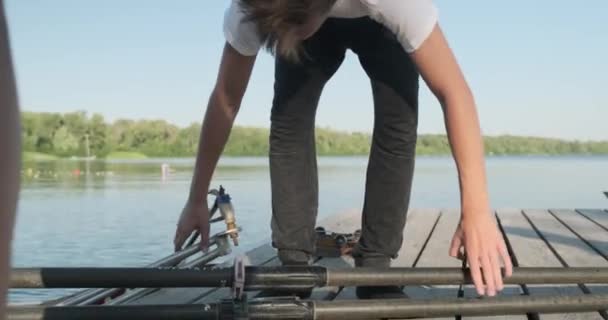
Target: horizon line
324,127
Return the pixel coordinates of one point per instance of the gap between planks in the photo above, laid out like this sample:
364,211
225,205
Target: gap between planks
568,248
531,250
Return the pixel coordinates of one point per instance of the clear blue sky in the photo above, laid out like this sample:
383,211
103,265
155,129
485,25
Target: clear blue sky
536,67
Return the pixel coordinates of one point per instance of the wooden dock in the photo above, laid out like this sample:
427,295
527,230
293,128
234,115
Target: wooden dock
535,238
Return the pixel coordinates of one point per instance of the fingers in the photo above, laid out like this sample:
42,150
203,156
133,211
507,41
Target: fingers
204,231
455,246
475,272
180,238
488,274
496,271
506,258
484,249
176,241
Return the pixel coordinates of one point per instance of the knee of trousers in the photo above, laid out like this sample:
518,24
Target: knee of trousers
397,137
291,135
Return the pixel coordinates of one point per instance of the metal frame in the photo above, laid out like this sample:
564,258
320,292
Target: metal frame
178,259
322,310
223,248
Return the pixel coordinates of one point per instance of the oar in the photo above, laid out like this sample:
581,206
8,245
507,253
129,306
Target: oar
323,310
260,277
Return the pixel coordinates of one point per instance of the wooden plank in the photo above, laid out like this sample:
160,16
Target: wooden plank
257,256
345,222
436,254
598,216
416,235
418,227
531,251
593,235
568,246
469,291
570,250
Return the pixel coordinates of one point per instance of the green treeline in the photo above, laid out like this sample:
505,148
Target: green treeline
78,134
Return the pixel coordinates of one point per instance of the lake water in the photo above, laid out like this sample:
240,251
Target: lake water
122,213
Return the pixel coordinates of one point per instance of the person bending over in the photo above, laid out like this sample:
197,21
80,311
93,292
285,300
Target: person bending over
396,42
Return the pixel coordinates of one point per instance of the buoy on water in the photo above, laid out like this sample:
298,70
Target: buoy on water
165,171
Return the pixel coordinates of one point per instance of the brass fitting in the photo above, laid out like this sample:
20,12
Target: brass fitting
227,211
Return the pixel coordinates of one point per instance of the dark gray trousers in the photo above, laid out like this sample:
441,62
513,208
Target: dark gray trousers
293,165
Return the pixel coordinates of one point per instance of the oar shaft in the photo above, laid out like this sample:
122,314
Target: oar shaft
322,310
285,277
305,277
165,312
380,309
456,276
118,278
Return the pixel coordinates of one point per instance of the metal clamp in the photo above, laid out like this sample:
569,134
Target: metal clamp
228,232
238,283
224,204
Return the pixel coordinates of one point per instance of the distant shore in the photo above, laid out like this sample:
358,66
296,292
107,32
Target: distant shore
41,157
51,136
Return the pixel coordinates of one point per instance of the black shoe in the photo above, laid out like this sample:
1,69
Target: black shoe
380,292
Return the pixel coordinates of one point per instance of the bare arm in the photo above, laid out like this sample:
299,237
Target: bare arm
231,84
477,230
441,72
235,71
10,161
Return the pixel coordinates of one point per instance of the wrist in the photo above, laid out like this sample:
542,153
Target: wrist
197,196
474,198
475,204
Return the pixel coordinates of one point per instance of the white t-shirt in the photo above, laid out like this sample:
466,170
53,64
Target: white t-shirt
410,20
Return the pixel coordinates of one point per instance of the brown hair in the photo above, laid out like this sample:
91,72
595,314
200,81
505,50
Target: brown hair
276,18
